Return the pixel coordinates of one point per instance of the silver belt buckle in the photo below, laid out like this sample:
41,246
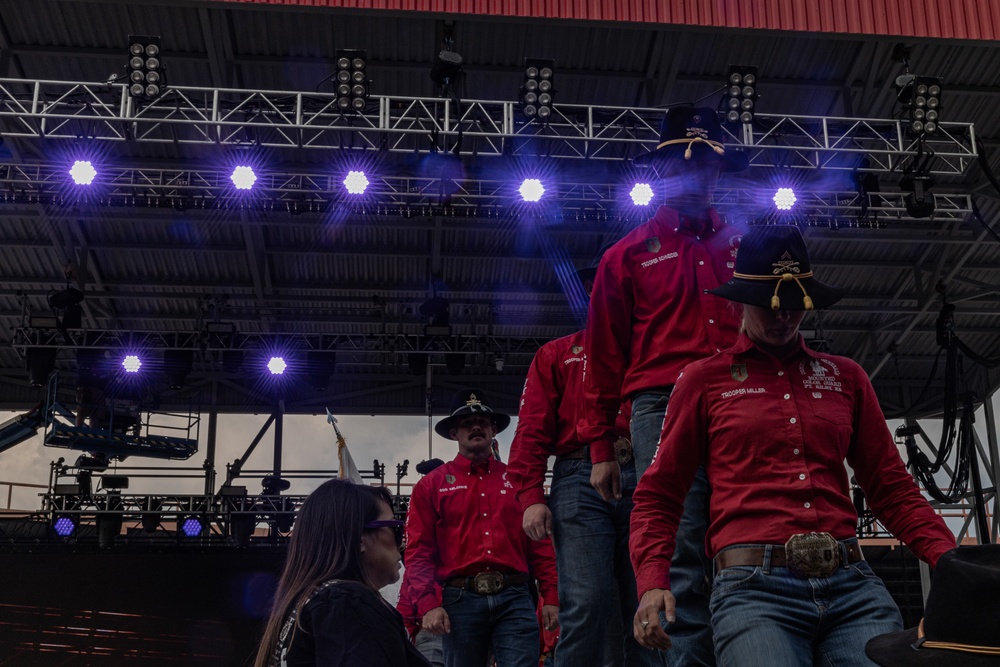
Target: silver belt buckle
488,583
812,554
623,450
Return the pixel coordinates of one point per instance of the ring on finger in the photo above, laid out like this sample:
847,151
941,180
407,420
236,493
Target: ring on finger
644,624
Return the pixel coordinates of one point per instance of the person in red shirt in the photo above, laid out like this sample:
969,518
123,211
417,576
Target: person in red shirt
468,560
650,315
773,422
590,535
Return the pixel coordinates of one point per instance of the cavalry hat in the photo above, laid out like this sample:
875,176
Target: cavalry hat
961,623
686,132
773,271
470,402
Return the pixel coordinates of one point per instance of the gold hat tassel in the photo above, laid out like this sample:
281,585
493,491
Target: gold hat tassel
716,146
785,277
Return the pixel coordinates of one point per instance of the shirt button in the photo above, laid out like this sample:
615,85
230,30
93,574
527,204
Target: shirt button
806,505
487,532
801,476
780,373
711,321
795,451
701,263
792,420
489,551
484,513
787,396
482,494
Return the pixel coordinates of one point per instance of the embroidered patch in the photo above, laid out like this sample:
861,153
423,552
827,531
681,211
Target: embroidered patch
653,244
450,479
473,400
786,265
739,372
817,394
577,349
697,131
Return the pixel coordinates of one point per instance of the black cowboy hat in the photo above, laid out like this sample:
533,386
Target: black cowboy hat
773,271
590,272
961,623
687,132
469,402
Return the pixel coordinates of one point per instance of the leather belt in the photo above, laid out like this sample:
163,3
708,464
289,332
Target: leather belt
622,447
487,583
820,561
578,453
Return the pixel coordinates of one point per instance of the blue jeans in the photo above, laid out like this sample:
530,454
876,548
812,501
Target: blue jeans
430,646
767,617
506,621
590,536
690,568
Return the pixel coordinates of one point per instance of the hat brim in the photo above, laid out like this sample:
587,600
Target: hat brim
895,649
759,293
443,427
732,161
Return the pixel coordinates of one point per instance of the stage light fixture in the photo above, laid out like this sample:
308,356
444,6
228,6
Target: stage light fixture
641,194
531,190
352,79
276,365
146,77
741,94
784,199
64,525
356,182
82,172
538,88
919,202
924,107
177,364
151,514
321,365
498,362
191,526
131,363
243,177
40,362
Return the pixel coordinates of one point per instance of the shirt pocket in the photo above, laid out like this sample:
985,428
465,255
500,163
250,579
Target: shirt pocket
831,407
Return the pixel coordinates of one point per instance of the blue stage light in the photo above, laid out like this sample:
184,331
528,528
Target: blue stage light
276,365
641,194
192,526
531,189
243,178
784,199
131,363
64,526
83,172
356,182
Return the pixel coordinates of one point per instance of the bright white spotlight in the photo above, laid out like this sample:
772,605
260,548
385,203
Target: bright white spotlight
243,178
641,194
83,172
356,182
131,364
531,189
276,365
784,199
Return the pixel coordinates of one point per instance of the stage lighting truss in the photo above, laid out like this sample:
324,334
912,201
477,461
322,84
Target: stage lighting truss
146,76
538,89
47,110
920,97
352,80
741,94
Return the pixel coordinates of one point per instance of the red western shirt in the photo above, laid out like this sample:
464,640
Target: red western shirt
773,436
549,412
464,519
650,314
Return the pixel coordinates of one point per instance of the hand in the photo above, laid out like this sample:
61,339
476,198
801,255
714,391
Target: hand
646,624
550,617
606,477
537,521
436,621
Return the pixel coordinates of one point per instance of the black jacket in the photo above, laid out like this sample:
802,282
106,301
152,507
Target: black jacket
350,624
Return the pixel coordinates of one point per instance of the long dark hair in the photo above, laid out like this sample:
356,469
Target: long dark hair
325,544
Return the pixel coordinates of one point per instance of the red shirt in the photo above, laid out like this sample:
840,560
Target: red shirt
773,436
551,405
464,519
650,315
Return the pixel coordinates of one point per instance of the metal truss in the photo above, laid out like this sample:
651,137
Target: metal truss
315,192
37,109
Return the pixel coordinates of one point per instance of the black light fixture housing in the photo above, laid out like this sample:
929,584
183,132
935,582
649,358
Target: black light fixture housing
352,80
538,89
741,94
147,80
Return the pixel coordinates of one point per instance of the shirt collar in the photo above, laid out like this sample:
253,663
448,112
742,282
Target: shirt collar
469,466
706,226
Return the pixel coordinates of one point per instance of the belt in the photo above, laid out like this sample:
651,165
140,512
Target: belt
578,453
622,446
812,561
487,583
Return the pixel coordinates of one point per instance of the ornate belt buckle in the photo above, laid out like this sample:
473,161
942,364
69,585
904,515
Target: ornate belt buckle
812,554
488,583
623,450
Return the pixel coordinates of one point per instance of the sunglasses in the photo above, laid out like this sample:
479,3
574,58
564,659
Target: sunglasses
395,524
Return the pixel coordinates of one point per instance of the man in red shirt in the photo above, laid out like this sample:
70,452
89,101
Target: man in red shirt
650,315
468,560
772,422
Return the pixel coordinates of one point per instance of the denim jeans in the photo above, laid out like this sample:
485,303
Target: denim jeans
430,646
767,617
505,621
690,568
590,536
